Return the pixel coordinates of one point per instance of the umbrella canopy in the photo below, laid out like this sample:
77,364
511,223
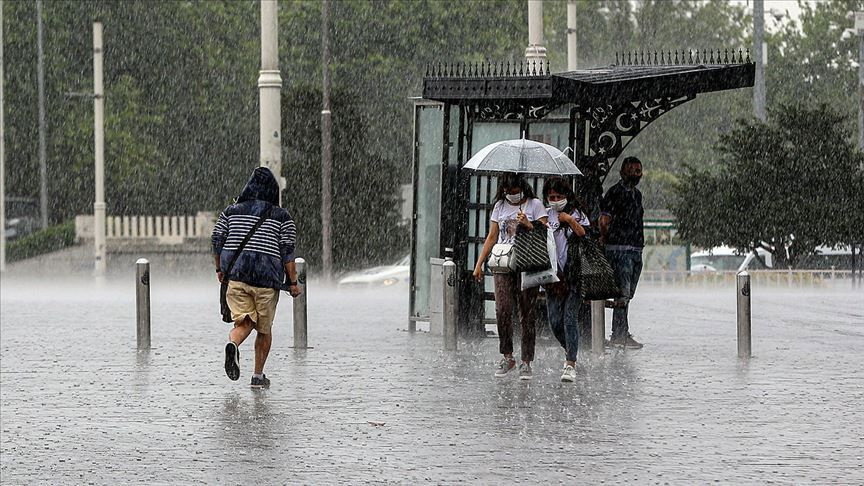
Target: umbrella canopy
522,156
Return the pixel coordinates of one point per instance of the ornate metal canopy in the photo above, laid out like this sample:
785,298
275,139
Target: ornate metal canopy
611,105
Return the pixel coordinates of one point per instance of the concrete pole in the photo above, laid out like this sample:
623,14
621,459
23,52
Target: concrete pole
99,151
535,52
269,92
758,39
571,35
598,327
743,284
450,317
142,302
301,334
2,154
326,146
861,82
40,80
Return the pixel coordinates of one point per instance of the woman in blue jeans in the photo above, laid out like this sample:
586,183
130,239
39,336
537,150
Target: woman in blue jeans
563,298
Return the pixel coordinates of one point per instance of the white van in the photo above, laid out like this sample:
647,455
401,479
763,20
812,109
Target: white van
726,259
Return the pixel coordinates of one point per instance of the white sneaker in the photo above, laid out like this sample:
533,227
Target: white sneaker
569,374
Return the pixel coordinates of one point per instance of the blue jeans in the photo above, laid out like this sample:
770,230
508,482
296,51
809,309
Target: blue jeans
627,265
563,310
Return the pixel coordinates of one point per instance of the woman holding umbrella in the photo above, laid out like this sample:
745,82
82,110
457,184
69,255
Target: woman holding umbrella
515,205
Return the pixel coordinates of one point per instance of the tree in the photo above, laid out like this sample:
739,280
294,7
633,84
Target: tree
793,183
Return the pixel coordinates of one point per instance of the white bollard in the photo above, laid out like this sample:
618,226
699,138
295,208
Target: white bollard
142,301
300,315
598,327
743,280
450,316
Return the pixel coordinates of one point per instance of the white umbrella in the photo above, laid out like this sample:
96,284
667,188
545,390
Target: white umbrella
522,156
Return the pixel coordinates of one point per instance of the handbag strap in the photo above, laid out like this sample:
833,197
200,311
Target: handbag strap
246,240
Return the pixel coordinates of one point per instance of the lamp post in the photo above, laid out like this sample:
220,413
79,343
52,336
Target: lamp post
99,151
40,80
326,145
535,52
2,155
758,50
571,35
269,93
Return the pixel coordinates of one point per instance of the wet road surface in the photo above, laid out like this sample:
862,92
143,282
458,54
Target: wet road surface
373,403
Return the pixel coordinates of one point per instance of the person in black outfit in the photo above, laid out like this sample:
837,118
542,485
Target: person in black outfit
621,233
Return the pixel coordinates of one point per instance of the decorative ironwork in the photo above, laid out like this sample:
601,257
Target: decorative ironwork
681,58
487,69
606,130
513,110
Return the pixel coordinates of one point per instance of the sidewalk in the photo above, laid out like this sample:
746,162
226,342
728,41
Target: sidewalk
373,403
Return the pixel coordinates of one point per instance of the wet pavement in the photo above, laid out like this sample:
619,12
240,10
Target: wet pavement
373,403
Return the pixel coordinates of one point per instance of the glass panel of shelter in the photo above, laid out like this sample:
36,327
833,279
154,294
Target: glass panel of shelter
427,170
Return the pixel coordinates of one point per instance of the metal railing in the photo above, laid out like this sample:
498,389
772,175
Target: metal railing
141,227
762,278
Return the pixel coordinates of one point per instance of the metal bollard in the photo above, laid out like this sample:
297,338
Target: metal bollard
598,327
450,316
300,334
142,302
743,280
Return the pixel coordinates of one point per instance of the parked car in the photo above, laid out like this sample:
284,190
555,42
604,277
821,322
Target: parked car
723,259
22,217
381,276
726,259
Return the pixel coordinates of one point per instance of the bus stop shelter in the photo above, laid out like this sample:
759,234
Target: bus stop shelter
590,114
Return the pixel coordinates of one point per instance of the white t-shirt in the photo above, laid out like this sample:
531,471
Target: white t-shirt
505,214
562,231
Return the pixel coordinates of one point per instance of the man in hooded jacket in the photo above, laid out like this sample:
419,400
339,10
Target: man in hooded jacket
259,271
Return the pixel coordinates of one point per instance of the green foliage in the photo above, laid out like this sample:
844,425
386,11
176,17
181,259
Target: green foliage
46,240
364,199
782,182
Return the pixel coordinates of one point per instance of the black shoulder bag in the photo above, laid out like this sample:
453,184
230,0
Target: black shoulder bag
223,302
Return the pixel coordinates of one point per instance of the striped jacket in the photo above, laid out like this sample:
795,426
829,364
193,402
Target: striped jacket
261,263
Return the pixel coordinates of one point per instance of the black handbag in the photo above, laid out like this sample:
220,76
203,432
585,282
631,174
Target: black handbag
595,275
223,289
530,249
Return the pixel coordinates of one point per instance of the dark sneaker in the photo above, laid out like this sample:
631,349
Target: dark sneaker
262,382
232,361
626,342
504,366
525,373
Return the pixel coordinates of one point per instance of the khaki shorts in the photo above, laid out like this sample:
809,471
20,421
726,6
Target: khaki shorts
258,303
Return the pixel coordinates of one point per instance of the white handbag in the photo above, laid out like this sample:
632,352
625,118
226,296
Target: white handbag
502,258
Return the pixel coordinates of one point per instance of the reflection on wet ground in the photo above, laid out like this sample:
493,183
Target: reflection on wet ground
372,403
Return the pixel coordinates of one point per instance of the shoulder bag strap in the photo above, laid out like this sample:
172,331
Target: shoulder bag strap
246,240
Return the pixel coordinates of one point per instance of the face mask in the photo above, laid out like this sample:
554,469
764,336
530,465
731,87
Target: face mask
514,198
633,180
558,205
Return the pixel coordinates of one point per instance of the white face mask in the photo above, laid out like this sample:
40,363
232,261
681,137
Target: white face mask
558,205
514,198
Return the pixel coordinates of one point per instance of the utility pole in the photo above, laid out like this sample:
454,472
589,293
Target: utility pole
99,151
326,146
2,154
40,80
269,93
758,50
535,52
859,29
571,35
